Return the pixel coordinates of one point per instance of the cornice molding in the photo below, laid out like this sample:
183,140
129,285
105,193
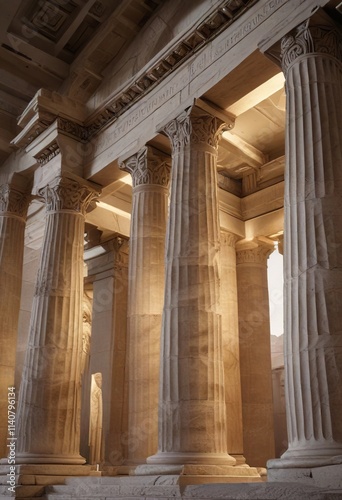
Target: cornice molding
48,153
227,13
39,114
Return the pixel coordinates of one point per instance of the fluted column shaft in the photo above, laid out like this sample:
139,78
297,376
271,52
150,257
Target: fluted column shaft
231,350
150,170
311,58
49,400
255,352
192,406
13,210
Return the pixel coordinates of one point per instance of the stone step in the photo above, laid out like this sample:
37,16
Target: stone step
22,491
243,491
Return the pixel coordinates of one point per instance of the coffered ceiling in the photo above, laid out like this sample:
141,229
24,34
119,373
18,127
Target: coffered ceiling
60,45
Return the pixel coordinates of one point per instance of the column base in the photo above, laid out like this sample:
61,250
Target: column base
201,473
310,456
179,458
33,458
240,459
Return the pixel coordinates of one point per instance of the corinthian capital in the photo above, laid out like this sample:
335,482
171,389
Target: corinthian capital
197,126
179,131
148,166
68,193
310,39
13,201
253,252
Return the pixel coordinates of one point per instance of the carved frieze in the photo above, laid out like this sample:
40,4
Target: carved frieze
226,13
148,166
72,128
216,22
307,39
48,153
65,193
13,201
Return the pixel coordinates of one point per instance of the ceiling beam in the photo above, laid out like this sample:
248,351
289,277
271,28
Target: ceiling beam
257,95
73,27
251,155
46,61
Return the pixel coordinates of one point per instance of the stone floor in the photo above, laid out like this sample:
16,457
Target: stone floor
167,488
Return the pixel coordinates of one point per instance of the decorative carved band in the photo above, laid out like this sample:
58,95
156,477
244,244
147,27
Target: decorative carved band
65,193
308,39
148,166
256,255
226,13
48,153
13,201
196,126
72,128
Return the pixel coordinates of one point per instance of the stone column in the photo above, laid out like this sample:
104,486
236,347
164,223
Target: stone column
311,59
49,401
150,170
255,352
108,274
192,427
231,351
13,210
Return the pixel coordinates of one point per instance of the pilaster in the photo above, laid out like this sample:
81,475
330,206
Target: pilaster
230,341
255,351
108,275
150,170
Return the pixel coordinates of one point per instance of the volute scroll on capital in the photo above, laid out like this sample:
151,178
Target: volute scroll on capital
67,193
13,201
148,167
310,39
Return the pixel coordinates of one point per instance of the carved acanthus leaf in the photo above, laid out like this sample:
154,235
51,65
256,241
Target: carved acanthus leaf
256,255
148,167
179,131
13,201
308,39
65,193
207,129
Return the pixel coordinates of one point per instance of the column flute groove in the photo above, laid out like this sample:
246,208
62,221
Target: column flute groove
150,172
192,419
311,59
49,399
13,210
